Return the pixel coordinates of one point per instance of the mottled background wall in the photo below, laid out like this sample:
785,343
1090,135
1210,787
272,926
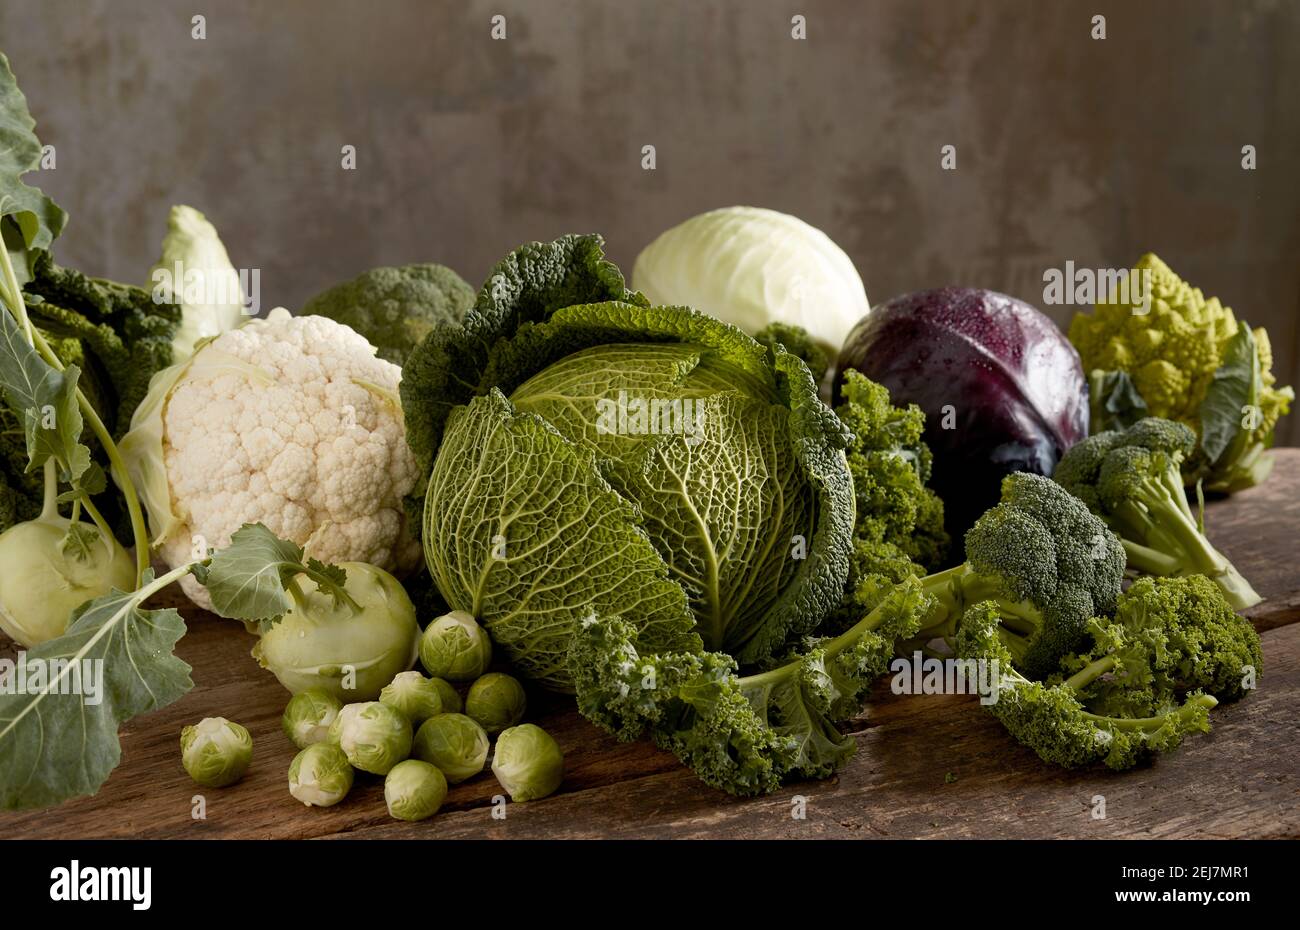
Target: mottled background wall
1068,148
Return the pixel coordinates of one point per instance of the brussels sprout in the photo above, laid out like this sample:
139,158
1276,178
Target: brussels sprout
454,743
216,752
417,698
528,762
372,735
320,775
451,702
414,790
350,652
495,702
455,647
308,716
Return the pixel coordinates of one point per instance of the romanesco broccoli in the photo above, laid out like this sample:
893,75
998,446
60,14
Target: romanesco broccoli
1188,359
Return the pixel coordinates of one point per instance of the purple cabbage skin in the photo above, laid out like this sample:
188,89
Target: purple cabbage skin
1018,391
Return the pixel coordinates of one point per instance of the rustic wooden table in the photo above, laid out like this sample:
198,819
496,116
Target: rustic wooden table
925,767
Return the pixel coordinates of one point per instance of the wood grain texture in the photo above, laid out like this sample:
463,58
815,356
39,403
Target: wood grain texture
1241,780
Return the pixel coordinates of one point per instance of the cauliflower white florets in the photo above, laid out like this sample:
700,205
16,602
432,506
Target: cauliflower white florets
288,421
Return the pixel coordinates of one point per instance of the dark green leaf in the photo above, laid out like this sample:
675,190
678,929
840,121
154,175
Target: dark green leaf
1116,403
1236,387
248,579
37,218
45,400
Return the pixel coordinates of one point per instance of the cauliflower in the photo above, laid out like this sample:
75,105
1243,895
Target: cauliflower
288,421
1164,363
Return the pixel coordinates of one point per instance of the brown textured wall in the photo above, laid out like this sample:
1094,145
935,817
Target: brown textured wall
1068,148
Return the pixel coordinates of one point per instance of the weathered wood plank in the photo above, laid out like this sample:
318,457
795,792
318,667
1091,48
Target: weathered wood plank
895,787
1241,780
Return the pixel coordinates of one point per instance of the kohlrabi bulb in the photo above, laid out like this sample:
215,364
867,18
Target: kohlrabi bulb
455,647
454,743
528,762
496,701
51,568
351,654
414,790
308,716
416,697
373,736
320,775
216,752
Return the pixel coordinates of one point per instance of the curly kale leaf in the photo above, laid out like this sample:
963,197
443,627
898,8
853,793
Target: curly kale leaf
746,735
898,528
1051,718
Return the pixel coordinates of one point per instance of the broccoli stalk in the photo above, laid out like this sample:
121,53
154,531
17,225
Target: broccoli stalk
1132,479
1044,562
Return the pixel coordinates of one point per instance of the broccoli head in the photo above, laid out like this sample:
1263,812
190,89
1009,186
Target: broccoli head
1051,718
1131,478
396,307
1046,562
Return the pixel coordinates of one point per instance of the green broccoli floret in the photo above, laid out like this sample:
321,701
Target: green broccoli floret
1051,718
1132,479
396,307
1169,636
1046,562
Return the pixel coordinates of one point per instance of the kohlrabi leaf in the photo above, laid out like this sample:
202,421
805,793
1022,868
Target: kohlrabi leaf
44,399
1232,396
524,533
80,542
249,579
37,218
58,733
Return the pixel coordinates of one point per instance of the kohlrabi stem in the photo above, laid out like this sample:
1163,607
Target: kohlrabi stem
116,465
296,594
50,505
1090,673
14,292
98,519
